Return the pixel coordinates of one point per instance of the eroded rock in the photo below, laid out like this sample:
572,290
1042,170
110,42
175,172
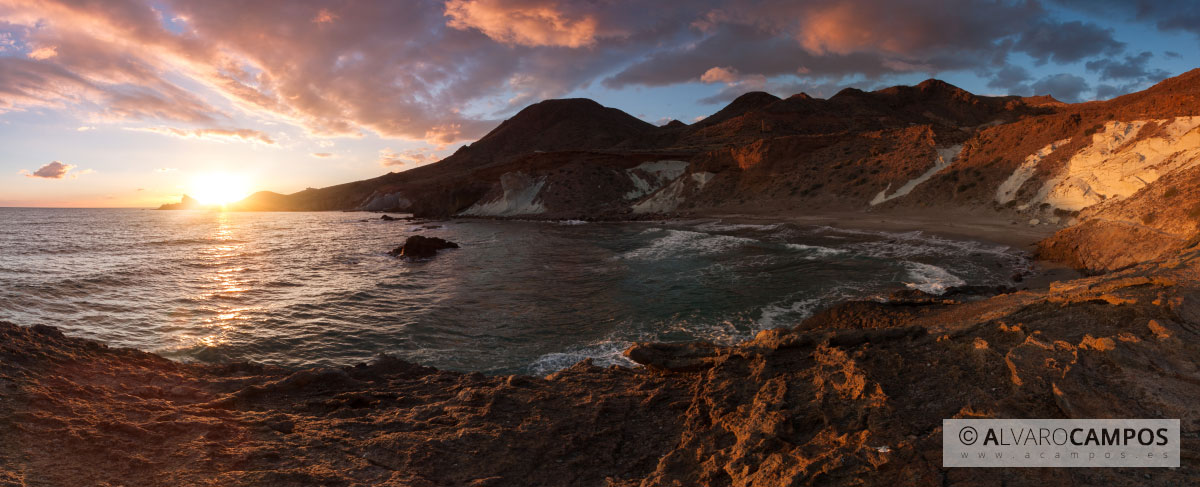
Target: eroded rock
421,247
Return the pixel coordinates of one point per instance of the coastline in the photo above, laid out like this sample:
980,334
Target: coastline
855,394
982,226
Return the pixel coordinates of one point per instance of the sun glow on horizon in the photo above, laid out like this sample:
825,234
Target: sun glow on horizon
219,188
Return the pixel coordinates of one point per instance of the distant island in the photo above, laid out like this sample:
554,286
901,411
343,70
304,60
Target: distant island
186,203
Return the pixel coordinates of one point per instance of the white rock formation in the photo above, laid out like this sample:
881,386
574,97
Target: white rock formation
520,197
945,156
1115,165
648,177
1008,189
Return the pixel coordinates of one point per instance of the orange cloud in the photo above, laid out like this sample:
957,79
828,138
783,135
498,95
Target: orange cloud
43,53
719,75
523,22
391,158
324,16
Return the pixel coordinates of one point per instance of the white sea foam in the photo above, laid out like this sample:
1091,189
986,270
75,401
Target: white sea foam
778,314
815,251
603,354
734,227
917,243
930,278
677,242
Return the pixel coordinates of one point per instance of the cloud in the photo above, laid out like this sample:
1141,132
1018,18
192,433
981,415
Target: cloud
1063,86
322,155
241,135
1165,15
523,22
1129,68
416,157
324,16
166,169
1012,79
1067,42
719,75
444,72
53,170
43,53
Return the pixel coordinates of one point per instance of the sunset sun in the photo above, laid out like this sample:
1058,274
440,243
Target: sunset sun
219,188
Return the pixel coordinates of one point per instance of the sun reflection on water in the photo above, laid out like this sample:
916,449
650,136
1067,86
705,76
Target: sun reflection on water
223,288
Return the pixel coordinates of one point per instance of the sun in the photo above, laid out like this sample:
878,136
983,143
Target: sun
219,188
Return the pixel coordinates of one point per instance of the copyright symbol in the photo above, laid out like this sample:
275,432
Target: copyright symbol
968,436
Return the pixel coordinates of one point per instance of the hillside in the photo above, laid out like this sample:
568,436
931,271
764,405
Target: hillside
579,143
1032,161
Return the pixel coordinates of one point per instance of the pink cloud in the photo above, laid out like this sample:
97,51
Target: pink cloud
53,170
719,75
243,135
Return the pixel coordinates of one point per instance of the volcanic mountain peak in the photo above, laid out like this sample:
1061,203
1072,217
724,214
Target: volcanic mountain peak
754,100
564,124
848,92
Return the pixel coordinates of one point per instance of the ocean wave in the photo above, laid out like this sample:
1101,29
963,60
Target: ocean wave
778,314
917,243
677,242
930,278
736,227
815,251
604,354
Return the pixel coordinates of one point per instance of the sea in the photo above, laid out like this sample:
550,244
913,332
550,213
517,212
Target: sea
319,288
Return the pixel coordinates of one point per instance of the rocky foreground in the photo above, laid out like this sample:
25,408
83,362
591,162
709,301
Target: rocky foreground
853,396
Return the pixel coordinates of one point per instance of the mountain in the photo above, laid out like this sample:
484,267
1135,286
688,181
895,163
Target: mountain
580,143
1033,160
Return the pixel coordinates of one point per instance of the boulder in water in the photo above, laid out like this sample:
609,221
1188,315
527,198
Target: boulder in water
419,247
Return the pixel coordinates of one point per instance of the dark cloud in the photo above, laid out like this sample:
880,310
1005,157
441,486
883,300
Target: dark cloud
53,170
1012,79
1165,15
1064,87
1172,54
1130,68
1066,42
831,40
1106,91
444,71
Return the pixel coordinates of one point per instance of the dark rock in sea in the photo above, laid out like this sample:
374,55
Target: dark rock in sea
678,357
388,218
419,247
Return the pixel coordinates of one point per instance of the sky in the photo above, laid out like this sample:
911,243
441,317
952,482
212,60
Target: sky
129,103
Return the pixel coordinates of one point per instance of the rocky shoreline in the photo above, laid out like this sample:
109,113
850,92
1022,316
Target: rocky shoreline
853,395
